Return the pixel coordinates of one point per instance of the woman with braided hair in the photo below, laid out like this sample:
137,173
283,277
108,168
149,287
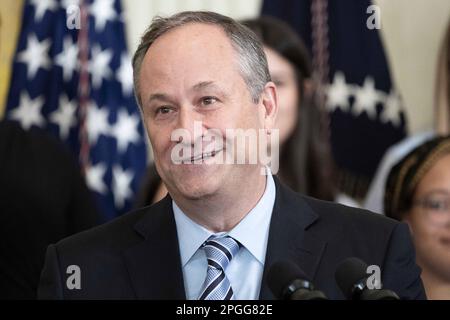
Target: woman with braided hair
418,192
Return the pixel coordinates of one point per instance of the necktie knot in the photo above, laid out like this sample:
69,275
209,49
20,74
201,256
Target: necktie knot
220,251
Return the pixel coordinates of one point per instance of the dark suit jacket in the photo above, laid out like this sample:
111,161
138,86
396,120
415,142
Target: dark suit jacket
137,256
43,199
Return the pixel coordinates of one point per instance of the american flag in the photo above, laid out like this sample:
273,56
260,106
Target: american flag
365,110
72,77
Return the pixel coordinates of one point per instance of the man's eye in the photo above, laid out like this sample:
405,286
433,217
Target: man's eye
208,100
163,110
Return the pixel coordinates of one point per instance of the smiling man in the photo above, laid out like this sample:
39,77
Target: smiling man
223,223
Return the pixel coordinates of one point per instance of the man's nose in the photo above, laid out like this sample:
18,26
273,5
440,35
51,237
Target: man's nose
192,123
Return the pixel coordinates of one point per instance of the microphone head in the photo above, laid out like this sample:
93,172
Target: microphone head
281,275
349,273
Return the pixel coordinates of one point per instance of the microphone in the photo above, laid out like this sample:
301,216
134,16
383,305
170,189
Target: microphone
288,282
351,277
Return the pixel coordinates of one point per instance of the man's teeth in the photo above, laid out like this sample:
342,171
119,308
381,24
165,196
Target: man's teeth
204,155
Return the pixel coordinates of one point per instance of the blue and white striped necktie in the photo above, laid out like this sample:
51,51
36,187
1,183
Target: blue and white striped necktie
219,252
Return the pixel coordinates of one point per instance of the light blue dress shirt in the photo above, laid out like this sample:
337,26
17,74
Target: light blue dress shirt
246,269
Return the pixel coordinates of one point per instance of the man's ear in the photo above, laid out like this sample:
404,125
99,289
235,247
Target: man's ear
268,106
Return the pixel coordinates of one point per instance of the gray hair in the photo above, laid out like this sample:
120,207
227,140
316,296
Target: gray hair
252,62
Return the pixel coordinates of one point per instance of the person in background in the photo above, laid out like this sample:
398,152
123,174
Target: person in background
375,194
418,193
374,200
305,154
43,198
305,157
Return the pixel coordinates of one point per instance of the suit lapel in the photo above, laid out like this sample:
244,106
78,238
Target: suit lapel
292,236
154,264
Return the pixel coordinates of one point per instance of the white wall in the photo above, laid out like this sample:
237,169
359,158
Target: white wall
413,31
139,13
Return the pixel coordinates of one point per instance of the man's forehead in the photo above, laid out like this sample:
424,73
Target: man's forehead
193,53
200,36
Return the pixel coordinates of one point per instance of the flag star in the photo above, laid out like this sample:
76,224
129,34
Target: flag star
366,98
392,109
41,6
28,113
121,185
338,93
35,55
64,116
125,130
99,65
94,178
125,74
97,122
102,10
68,58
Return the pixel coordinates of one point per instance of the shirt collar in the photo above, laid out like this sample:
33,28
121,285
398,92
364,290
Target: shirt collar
192,235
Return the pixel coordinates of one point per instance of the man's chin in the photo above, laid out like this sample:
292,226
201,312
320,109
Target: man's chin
197,181
196,191
185,173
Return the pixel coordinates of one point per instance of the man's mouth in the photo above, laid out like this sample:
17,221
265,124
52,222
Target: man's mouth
202,156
